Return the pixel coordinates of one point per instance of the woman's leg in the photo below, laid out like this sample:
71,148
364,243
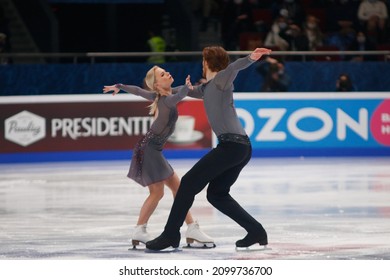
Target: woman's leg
140,234
156,192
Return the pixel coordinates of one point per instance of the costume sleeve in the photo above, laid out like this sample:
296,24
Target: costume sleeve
197,92
224,79
149,95
176,89
173,99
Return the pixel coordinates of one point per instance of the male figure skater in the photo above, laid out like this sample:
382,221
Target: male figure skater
221,167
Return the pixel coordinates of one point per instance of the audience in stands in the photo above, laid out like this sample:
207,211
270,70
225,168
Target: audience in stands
373,17
296,39
339,13
313,32
342,39
293,10
313,24
273,38
361,43
236,18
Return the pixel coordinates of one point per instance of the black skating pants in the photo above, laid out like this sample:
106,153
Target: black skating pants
219,168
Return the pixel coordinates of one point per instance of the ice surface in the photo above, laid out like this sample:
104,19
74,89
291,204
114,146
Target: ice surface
312,208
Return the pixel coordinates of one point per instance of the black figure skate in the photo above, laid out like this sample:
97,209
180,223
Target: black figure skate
246,244
163,244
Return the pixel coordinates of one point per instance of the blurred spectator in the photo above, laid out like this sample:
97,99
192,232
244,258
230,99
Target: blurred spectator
156,44
236,18
275,77
204,10
373,15
362,44
342,12
344,38
344,83
297,40
313,32
273,38
292,10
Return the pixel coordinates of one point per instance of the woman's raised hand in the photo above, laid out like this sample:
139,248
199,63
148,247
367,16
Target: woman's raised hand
112,88
188,83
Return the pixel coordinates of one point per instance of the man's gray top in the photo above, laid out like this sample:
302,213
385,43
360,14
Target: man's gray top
218,98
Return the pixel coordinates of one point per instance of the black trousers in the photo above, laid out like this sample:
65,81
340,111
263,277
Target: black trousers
219,168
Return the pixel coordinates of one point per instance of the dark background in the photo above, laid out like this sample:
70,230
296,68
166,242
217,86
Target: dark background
105,27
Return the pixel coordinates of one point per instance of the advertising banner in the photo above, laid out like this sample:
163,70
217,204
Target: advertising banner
317,124
91,123
279,124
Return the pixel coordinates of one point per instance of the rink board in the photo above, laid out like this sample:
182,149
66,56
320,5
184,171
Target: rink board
106,127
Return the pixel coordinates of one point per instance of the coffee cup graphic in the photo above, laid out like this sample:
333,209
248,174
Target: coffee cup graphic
185,131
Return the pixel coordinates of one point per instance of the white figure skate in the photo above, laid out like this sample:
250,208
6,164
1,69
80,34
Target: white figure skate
140,235
195,237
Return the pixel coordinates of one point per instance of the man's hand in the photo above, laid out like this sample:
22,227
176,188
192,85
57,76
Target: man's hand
259,52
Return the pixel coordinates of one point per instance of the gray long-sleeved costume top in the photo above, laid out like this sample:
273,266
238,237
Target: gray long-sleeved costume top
148,164
160,125
218,98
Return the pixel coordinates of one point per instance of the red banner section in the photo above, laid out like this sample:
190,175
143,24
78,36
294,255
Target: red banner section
93,124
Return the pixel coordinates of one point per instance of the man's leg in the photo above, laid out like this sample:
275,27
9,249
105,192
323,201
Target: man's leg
210,166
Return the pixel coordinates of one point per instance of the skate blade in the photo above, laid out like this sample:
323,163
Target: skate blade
137,248
200,245
166,250
253,248
137,245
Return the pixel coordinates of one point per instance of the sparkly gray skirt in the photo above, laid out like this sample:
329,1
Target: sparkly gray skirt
148,164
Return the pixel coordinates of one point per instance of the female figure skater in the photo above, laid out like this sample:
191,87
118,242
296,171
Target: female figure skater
221,167
148,165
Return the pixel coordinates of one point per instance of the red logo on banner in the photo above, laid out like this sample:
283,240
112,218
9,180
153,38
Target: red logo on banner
380,123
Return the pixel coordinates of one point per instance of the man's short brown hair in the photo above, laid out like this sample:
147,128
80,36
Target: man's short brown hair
216,57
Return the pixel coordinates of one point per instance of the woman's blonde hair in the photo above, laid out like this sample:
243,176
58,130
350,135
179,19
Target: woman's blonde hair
150,82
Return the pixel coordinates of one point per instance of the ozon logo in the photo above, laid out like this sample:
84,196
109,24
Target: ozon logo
274,116
25,128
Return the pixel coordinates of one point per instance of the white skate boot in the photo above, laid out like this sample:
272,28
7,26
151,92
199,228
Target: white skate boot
140,235
194,233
